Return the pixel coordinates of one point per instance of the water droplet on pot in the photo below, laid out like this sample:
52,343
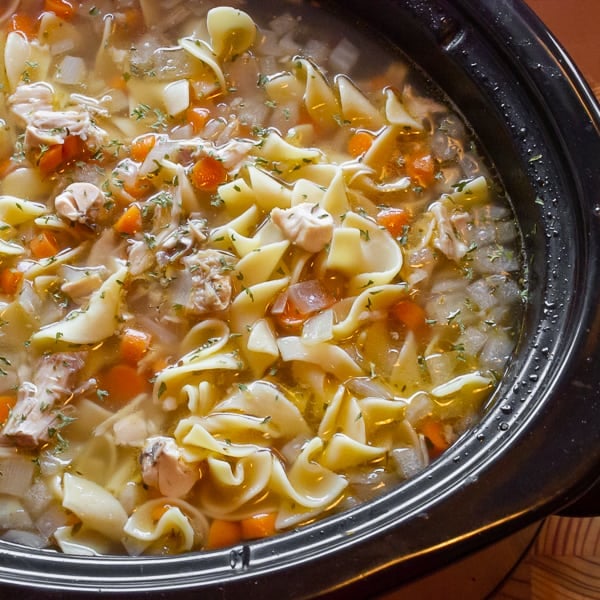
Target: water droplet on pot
596,210
503,426
533,377
506,409
480,437
456,459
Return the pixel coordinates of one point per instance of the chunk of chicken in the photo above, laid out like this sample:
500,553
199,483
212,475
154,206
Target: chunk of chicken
307,225
36,416
81,203
163,467
211,285
30,98
48,128
447,239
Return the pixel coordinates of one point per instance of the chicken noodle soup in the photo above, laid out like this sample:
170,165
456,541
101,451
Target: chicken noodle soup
250,273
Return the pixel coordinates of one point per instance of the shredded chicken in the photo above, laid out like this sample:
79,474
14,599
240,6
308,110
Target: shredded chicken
211,286
81,203
30,98
37,414
447,239
139,257
48,127
81,289
163,467
307,225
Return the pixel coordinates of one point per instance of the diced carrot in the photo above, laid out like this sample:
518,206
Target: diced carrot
23,23
223,533
410,313
433,430
73,149
141,146
130,221
138,187
359,143
394,220
61,8
6,403
122,383
133,19
421,168
208,174
43,245
10,281
258,526
8,165
159,510
117,82
50,159
197,118
134,345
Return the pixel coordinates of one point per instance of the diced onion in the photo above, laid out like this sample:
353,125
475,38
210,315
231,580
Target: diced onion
71,70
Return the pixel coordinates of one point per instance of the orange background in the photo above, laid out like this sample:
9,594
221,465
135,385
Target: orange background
576,25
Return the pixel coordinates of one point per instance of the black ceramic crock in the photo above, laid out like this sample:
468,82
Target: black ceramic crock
538,447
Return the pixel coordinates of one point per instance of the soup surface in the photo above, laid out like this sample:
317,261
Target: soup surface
251,273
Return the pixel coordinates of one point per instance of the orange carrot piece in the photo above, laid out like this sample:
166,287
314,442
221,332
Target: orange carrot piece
433,430
421,169
134,345
208,174
138,188
130,221
43,245
394,220
61,8
141,146
410,314
258,526
73,149
122,383
223,533
197,118
359,143
6,403
10,281
50,159
159,510
24,24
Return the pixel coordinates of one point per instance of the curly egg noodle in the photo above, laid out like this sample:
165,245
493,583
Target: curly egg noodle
249,274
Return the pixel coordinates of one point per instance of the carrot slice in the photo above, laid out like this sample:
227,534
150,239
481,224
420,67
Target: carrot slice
409,313
122,383
10,281
223,533
6,403
134,345
433,430
130,221
73,149
258,526
359,143
61,8
208,174
44,245
141,146
421,168
24,24
50,159
197,118
394,220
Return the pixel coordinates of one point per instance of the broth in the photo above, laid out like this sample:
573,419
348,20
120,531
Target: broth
253,270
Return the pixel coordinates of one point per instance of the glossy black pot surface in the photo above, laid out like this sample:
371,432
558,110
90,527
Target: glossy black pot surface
538,447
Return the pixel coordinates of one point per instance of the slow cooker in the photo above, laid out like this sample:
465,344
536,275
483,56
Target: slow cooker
537,448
